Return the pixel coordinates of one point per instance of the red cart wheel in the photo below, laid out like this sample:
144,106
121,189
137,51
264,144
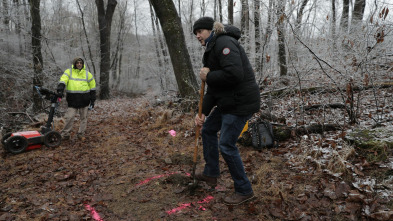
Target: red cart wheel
52,139
16,144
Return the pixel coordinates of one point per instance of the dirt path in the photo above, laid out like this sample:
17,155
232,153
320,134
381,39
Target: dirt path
130,168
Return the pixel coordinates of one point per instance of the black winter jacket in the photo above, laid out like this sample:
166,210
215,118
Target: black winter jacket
231,81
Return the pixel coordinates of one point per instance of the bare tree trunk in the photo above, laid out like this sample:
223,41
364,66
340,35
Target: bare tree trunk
266,38
258,45
155,37
36,46
179,10
116,62
358,12
220,10
244,23
87,38
230,12
104,23
203,7
6,15
26,21
138,54
345,16
334,26
282,58
215,10
19,27
160,66
300,16
175,40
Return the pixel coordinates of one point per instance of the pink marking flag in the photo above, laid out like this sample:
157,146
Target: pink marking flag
185,205
93,213
172,133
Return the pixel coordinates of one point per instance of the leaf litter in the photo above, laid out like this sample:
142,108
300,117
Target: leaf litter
129,167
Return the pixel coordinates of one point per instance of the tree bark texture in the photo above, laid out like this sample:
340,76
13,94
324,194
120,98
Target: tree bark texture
220,10
358,12
6,17
345,16
174,36
36,50
300,16
104,24
87,38
334,25
244,22
282,57
230,12
258,45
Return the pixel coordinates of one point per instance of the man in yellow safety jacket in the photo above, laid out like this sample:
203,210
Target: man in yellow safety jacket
80,87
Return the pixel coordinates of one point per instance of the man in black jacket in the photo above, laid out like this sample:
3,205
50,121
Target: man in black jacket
232,97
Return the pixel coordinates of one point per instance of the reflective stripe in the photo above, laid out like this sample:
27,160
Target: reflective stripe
78,92
79,79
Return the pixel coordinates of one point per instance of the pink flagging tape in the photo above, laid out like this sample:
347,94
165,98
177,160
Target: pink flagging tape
152,178
172,133
93,213
185,205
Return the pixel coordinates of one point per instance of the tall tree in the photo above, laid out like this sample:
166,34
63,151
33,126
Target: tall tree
104,24
334,25
258,45
18,28
282,57
6,18
220,10
345,16
160,66
299,16
36,49
244,22
230,11
358,12
174,36
87,37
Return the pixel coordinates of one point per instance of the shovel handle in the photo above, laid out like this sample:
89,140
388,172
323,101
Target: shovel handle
201,93
198,128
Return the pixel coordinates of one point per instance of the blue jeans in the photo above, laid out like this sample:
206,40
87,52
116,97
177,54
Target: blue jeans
230,126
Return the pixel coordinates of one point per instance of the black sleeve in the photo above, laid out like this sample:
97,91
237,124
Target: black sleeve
208,104
93,95
60,87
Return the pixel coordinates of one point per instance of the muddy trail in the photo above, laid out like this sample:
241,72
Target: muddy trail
129,167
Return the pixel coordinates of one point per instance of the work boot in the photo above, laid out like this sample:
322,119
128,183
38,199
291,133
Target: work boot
236,199
211,181
65,137
80,136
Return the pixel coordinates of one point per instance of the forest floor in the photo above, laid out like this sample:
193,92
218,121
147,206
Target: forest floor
129,167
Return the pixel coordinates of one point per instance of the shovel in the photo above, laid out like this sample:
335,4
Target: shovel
197,128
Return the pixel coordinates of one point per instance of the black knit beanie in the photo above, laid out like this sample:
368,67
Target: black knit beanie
203,23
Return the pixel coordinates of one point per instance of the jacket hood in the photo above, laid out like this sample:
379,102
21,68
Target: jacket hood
230,30
77,59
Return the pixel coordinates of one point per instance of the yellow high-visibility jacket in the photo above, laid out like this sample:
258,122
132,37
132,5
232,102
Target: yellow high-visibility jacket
80,87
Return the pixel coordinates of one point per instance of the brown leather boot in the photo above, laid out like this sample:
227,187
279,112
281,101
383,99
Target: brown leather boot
236,199
211,181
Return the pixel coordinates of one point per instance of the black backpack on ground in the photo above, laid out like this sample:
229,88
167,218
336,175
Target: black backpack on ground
262,135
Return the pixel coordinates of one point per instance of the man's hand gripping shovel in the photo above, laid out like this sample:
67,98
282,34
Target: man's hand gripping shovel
194,185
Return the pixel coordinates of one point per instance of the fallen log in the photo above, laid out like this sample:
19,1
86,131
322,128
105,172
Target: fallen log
282,132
